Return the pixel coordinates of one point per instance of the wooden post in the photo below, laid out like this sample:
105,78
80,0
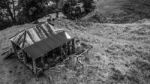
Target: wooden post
61,53
73,46
63,50
35,69
34,66
68,48
42,60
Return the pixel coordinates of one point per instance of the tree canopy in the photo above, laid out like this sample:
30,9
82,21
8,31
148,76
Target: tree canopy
75,9
22,11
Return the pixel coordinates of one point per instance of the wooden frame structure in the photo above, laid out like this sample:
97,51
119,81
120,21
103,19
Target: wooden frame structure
47,52
50,59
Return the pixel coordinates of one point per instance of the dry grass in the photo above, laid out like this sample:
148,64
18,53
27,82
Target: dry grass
119,11
120,55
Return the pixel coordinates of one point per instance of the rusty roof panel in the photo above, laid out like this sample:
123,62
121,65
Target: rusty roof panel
41,48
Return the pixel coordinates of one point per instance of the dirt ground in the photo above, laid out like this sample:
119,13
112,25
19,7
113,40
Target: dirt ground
120,55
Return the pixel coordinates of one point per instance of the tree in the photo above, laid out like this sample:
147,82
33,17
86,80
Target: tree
75,9
9,6
32,9
59,5
88,5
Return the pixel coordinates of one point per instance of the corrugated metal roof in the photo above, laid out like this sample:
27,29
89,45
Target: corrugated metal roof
30,36
42,47
39,40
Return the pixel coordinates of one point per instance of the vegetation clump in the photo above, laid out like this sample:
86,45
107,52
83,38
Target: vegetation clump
75,9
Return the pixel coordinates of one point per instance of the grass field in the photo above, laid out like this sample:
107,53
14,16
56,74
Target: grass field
120,55
119,11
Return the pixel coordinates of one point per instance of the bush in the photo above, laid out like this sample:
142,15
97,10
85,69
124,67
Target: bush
76,9
4,24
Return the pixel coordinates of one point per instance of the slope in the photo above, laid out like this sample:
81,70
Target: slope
120,55
119,11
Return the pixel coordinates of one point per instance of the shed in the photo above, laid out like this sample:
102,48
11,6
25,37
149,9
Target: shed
42,46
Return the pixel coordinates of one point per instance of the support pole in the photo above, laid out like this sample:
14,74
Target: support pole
34,66
68,48
42,60
61,51
73,46
35,69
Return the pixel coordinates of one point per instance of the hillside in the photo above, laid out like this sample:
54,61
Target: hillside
118,30
119,11
120,55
